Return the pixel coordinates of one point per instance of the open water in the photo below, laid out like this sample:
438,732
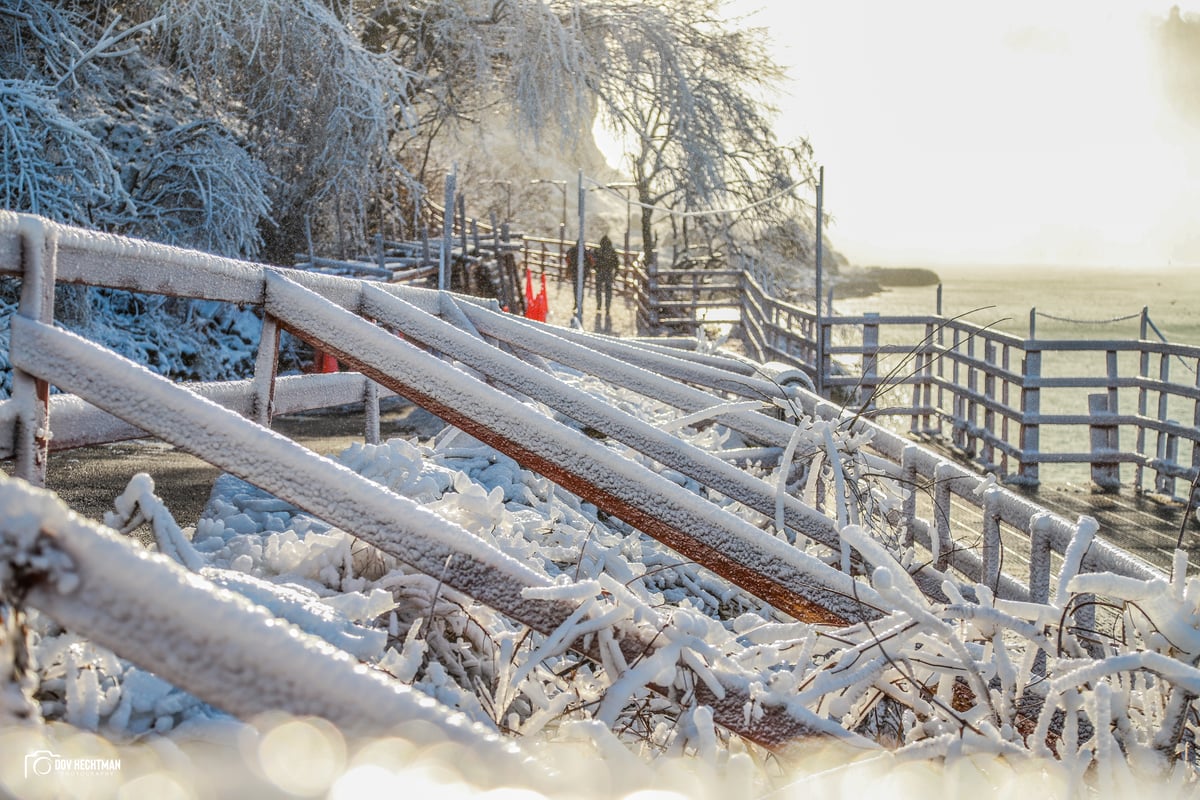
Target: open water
1005,296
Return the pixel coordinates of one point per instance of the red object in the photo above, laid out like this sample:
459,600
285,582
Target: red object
323,362
535,307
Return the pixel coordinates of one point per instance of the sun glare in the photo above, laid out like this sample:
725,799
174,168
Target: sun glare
1027,132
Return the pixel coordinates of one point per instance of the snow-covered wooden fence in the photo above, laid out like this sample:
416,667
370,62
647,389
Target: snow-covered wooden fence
42,254
499,353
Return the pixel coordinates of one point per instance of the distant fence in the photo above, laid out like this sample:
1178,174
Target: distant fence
1011,404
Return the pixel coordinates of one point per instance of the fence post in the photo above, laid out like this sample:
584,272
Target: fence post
989,392
652,292
444,260
1196,422
972,406
959,414
462,222
266,366
909,470
1162,478
371,412
992,546
942,542
1031,409
39,258
1143,399
1166,479
870,357
1104,441
922,389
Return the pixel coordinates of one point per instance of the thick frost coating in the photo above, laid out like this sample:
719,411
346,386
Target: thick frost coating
213,643
769,567
328,490
643,437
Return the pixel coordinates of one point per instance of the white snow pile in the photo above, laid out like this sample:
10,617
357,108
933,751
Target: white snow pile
969,693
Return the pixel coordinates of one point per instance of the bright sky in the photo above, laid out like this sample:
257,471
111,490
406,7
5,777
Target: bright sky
1023,131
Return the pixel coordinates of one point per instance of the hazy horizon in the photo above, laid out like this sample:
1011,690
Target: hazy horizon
1031,133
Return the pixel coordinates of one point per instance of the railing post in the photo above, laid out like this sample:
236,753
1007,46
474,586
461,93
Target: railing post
39,252
1104,441
445,259
959,413
989,392
1162,478
992,545
1139,473
909,471
266,365
942,542
652,292
870,357
1166,479
972,406
922,389
371,412
1196,421
1031,409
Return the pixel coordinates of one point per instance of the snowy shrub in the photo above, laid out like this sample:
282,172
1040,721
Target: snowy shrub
51,166
320,108
199,188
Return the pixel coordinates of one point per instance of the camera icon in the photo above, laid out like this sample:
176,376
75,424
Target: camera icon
39,762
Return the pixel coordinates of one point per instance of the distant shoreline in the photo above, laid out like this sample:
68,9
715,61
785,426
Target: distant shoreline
866,281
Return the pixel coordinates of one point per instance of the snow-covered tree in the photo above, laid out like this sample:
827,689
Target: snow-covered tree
686,88
320,109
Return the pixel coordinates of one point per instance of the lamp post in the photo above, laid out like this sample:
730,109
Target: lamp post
820,382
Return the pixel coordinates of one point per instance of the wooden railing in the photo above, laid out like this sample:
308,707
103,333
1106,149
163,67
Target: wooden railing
42,254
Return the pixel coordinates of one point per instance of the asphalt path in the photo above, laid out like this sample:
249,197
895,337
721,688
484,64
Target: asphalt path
88,479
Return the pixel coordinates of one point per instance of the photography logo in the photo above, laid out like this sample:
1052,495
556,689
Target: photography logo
42,763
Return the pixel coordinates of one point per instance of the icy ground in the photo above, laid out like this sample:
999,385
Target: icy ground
593,728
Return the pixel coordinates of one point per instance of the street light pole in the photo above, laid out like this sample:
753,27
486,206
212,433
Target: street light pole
579,256
820,377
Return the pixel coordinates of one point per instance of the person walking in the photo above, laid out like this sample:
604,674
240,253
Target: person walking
607,264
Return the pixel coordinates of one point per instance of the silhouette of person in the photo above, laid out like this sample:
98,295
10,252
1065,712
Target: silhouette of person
607,263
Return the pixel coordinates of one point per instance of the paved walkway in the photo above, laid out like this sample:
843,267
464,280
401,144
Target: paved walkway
621,319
